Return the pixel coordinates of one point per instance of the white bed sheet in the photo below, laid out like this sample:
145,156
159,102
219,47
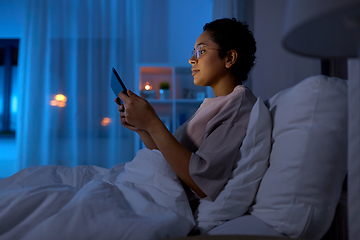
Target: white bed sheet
142,199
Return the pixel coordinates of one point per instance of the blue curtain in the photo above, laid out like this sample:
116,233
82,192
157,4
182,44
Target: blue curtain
67,115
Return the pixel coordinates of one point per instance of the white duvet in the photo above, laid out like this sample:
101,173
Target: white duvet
142,199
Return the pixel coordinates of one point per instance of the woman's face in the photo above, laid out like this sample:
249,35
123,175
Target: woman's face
207,66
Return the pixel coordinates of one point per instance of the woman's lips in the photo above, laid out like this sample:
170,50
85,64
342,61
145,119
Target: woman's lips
194,71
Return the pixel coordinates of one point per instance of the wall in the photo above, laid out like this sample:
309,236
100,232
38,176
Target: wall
276,69
167,30
152,30
186,20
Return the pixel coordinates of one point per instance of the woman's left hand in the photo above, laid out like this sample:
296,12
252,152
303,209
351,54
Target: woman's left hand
138,112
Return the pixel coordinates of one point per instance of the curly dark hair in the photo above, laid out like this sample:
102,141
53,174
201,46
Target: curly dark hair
231,34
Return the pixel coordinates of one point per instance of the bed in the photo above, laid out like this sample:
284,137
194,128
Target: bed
287,183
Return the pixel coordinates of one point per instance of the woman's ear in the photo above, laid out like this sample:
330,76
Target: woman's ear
231,58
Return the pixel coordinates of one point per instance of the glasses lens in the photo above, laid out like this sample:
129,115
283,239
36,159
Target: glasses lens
197,51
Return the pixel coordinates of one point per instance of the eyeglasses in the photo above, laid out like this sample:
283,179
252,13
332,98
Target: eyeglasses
201,50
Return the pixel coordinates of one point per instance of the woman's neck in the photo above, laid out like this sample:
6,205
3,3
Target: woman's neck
225,86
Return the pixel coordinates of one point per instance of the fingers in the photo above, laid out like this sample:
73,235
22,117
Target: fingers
121,108
124,123
135,111
132,95
123,119
129,95
123,96
122,115
117,101
132,99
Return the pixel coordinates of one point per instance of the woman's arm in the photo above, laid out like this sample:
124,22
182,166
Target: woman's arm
147,139
141,115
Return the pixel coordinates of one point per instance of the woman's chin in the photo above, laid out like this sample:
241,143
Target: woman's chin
198,82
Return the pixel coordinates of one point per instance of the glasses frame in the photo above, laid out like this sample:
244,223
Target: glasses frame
197,51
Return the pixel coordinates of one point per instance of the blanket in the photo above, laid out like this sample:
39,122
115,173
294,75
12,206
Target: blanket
141,199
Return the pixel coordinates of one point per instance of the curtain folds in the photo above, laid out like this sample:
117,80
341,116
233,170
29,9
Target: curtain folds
69,48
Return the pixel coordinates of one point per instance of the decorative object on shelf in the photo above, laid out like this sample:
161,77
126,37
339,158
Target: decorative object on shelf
164,90
147,86
148,92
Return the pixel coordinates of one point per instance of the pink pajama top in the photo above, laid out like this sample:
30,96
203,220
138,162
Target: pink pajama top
214,134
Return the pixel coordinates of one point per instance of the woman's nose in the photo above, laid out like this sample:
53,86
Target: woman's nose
192,60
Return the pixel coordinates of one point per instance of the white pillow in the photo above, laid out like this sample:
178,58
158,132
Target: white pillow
301,188
239,193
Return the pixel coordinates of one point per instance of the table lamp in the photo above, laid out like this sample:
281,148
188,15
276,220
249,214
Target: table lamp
330,29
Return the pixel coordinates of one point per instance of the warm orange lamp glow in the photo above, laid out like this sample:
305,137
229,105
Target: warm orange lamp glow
60,98
59,101
61,104
106,121
53,103
147,86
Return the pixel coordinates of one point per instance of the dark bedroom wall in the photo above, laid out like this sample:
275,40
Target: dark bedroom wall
276,68
153,19
168,29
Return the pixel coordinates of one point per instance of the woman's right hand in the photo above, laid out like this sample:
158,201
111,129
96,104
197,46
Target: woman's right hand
145,136
121,110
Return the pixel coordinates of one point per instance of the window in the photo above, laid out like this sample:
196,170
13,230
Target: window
9,49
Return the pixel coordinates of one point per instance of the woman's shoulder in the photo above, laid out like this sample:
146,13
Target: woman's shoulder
244,90
242,94
240,104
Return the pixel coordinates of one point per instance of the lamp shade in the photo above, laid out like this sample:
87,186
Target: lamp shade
322,28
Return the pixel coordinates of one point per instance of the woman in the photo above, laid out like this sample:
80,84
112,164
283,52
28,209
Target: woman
203,150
